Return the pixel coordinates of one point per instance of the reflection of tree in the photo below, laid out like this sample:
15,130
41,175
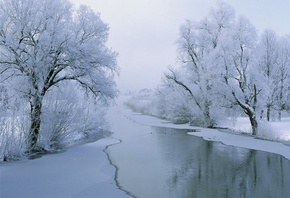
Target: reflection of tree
198,168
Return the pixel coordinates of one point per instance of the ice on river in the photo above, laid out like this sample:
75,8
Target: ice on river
82,171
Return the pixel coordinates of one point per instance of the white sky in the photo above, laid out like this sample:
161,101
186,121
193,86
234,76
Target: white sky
144,32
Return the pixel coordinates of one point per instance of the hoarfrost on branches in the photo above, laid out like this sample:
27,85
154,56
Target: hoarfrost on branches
46,43
226,69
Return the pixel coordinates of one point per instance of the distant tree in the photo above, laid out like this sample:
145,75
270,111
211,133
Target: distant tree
282,77
46,42
267,53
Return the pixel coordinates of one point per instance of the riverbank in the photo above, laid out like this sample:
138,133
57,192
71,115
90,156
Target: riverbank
243,140
81,171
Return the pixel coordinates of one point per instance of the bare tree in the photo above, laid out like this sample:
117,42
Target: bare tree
46,42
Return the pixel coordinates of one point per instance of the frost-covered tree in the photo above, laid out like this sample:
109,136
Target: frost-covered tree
267,53
46,42
219,66
273,59
282,77
196,47
240,73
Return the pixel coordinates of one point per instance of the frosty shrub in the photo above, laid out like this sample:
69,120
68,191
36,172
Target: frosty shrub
69,117
174,108
13,135
265,131
142,102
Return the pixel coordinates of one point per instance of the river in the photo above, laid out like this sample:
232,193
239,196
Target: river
164,162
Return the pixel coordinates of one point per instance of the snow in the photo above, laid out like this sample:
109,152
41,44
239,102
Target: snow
283,128
274,130
244,141
82,171
237,138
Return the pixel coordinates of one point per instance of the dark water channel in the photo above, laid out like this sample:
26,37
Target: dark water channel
169,163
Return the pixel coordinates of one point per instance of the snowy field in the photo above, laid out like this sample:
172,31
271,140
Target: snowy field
238,137
82,171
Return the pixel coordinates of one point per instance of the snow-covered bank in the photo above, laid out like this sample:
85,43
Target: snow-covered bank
82,171
234,139
244,141
274,130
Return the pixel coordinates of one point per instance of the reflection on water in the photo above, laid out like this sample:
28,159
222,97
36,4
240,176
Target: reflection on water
169,163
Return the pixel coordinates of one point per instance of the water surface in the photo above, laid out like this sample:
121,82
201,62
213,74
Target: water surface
164,162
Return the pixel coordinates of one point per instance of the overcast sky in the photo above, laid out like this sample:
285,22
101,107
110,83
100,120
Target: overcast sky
144,32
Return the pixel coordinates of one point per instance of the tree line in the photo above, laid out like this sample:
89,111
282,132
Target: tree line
225,65
226,69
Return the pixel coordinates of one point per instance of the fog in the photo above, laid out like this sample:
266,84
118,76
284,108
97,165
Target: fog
144,32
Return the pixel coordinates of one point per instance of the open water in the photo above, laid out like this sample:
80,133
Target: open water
168,163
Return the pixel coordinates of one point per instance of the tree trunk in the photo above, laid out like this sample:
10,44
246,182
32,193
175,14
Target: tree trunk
254,124
252,114
35,106
206,113
279,114
268,112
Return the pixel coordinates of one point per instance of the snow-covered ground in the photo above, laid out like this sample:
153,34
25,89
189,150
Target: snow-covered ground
281,130
274,130
82,171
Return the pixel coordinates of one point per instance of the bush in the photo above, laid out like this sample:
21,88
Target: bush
13,133
265,131
69,117
66,118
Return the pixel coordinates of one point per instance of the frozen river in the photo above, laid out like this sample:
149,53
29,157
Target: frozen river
150,162
164,162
